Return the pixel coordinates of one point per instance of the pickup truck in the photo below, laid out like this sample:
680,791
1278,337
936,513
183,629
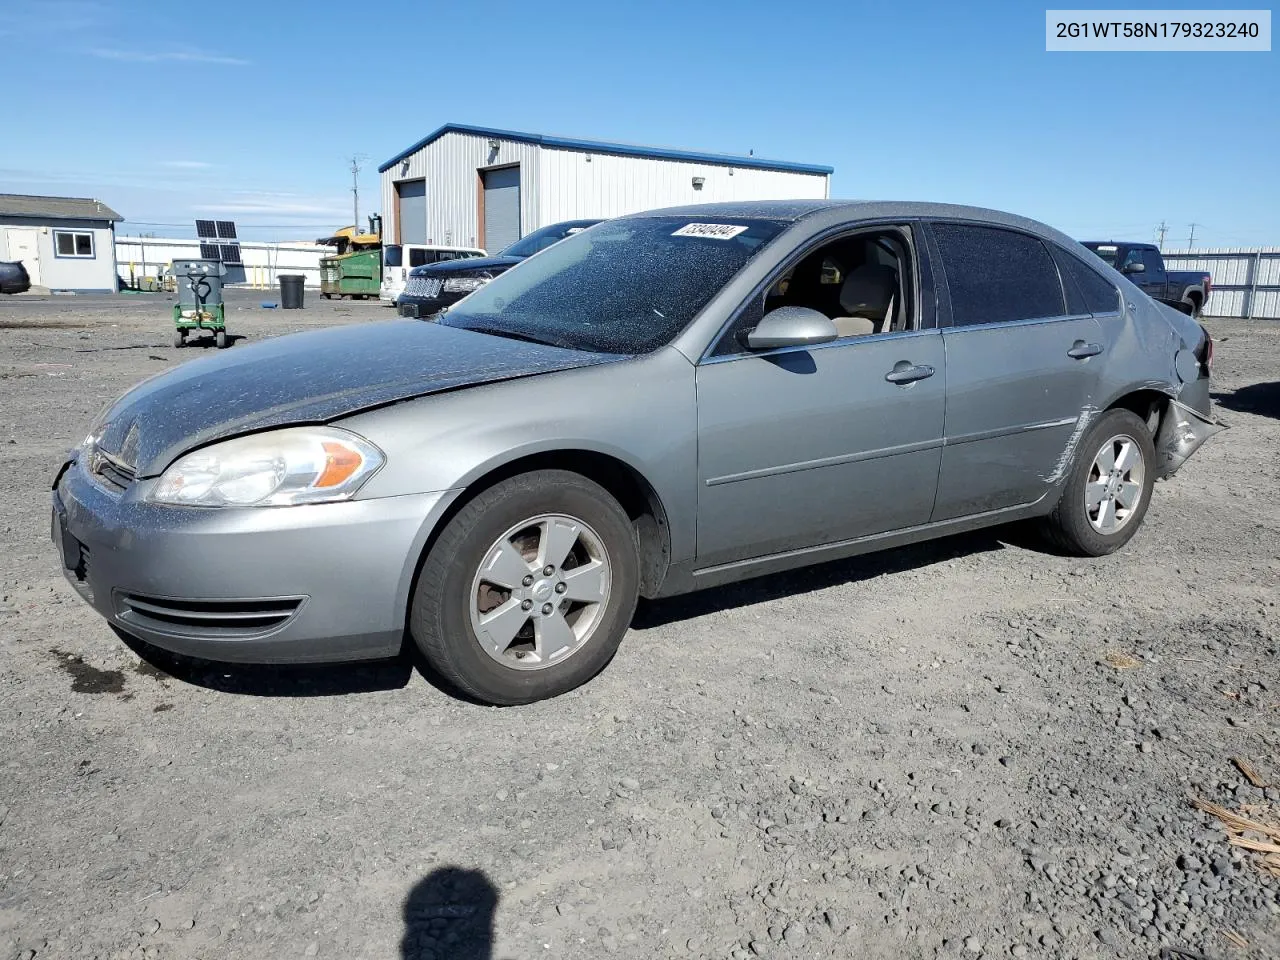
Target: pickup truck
1187,290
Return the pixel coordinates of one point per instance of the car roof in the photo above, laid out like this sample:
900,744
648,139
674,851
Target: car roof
841,210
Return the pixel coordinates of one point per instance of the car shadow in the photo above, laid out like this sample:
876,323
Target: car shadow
273,680
337,679
657,613
1260,398
450,913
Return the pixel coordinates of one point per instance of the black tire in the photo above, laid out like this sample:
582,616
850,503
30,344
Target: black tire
179,338
220,338
1068,527
440,614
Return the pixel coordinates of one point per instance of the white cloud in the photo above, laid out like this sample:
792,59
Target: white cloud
280,205
166,56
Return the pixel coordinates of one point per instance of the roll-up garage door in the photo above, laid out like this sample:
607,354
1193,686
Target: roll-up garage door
501,208
411,211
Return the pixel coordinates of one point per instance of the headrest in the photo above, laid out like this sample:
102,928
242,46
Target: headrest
868,290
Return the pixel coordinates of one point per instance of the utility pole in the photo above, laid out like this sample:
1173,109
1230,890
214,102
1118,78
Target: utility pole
1163,228
355,190
1191,240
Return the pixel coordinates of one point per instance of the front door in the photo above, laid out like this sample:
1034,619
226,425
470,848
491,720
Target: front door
24,246
800,447
1021,373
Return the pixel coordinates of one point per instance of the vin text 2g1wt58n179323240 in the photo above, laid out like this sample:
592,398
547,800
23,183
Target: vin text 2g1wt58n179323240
656,404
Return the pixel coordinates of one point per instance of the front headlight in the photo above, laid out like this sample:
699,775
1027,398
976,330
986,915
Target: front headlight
464,284
276,469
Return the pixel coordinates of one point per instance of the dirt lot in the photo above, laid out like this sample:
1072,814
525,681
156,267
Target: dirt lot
961,749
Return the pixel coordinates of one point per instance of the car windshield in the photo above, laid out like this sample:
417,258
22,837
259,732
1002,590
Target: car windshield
625,286
541,239
1105,251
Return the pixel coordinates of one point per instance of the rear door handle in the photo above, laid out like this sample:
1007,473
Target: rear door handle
1082,351
905,372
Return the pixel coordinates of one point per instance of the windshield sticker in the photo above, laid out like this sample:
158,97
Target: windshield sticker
710,231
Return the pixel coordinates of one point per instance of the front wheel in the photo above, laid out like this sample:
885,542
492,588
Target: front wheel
1109,489
220,338
529,589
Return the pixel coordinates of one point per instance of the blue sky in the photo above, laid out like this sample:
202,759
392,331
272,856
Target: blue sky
253,114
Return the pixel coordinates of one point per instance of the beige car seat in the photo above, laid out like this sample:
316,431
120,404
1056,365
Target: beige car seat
867,298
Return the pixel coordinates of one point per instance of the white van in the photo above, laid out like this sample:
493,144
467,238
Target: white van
399,258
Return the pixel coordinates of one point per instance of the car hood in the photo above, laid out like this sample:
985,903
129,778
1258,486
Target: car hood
310,377
456,268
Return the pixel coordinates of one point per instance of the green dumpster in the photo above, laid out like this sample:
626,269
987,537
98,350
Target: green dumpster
357,274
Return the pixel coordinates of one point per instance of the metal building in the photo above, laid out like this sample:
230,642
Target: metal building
475,186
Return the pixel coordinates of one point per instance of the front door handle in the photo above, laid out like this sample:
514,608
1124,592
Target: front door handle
1082,351
905,372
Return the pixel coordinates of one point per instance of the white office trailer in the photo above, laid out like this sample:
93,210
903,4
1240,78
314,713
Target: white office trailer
480,187
67,244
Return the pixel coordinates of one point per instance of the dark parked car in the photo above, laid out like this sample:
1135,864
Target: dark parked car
1142,263
13,277
435,286
664,402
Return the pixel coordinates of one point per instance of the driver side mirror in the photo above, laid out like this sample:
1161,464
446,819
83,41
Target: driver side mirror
792,327
1136,267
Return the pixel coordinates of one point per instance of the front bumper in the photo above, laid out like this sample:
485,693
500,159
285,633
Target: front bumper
322,582
420,308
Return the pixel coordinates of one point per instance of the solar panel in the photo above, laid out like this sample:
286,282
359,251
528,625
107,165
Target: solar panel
231,253
209,251
206,228
226,229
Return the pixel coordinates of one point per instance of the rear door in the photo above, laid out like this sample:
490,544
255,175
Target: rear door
1021,369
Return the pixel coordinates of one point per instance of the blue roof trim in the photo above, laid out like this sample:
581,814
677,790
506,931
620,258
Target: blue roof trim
604,146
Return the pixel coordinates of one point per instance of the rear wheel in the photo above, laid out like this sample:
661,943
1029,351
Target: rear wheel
1109,489
529,589
179,337
220,338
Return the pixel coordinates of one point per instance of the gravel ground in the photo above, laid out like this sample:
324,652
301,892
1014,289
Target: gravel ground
959,749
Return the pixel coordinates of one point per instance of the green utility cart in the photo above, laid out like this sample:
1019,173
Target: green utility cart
356,274
199,306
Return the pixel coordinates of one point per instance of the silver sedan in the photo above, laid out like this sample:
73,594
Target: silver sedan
661,403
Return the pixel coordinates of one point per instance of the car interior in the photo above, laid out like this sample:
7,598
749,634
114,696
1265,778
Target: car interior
862,282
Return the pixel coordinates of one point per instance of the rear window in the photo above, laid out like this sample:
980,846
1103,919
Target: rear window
624,286
996,275
419,258
1087,290
1106,252
393,256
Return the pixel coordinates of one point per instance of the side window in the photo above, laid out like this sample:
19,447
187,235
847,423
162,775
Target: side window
1132,255
420,258
1153,260
996,275
1087,290
864,283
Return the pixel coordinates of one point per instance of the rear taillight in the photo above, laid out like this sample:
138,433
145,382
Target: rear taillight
1208,285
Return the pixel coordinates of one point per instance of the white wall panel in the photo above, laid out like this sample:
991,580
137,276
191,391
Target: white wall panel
605,185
